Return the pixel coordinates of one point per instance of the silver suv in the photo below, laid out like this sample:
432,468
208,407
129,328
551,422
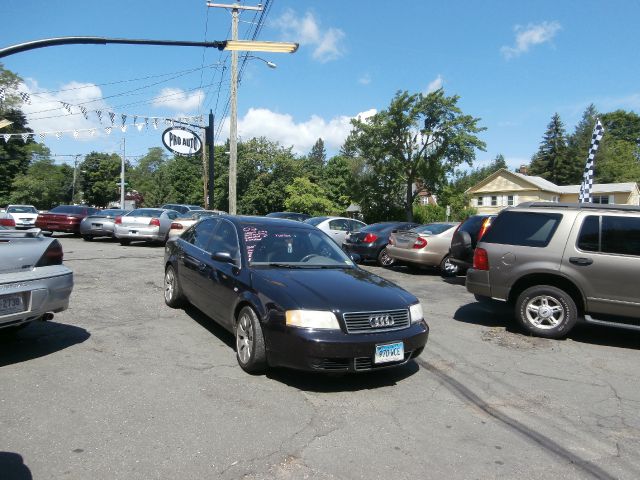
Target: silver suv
558,262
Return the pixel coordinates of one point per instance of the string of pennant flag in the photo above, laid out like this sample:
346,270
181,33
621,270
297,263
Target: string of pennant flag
139,122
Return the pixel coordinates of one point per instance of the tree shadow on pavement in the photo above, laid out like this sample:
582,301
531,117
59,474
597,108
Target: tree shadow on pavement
350,382
12,467
37,340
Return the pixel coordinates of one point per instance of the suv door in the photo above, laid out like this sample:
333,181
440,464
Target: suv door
603,257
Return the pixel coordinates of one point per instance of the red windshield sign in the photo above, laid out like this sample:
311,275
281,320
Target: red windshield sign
181,141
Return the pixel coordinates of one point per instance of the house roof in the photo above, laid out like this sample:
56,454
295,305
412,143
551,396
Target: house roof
602,188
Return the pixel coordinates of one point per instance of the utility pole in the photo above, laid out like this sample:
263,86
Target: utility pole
233,121
124,144
73,185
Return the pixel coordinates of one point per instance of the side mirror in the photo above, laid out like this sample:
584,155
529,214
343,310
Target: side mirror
355,257
223,257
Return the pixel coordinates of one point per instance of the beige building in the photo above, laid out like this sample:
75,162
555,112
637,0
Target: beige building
504,188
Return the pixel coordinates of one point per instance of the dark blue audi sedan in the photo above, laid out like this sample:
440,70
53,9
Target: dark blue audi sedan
292,297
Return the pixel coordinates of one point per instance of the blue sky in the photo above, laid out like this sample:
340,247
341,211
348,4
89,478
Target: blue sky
513,64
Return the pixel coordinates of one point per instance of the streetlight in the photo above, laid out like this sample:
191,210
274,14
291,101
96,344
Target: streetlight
236,45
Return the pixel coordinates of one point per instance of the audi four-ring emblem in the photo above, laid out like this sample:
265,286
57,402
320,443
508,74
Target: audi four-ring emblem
380,321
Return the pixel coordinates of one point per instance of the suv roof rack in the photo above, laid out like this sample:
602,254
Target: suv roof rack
585,206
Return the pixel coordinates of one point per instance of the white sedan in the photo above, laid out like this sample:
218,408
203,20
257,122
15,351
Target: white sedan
19,216
336,227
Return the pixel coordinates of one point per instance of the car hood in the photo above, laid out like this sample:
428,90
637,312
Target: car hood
336,289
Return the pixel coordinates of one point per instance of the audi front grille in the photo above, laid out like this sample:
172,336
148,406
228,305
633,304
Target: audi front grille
360,322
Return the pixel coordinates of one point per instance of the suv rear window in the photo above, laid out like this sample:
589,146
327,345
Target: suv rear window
527,229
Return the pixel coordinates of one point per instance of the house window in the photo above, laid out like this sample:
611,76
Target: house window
510,200
494,201
480,201
602,199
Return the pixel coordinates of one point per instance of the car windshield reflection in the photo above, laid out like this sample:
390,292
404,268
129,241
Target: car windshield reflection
290,247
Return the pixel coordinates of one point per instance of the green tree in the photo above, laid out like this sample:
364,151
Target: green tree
578,144
15,155
338,181
44,185
616,161
315,161
184,178
417,139
622,125
305,196
149,177
99,175
551,160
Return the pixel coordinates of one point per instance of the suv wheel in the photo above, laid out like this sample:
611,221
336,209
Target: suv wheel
384,260
546,311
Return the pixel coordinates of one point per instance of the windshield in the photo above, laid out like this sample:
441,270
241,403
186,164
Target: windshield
22,209
291,247
433,228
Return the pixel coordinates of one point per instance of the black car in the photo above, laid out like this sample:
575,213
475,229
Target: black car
465,239
298,217
292,297
371,241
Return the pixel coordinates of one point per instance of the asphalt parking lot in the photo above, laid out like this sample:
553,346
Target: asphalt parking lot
122,386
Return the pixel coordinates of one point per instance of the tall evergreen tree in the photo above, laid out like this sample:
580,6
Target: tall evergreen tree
315,161
578,145
550,162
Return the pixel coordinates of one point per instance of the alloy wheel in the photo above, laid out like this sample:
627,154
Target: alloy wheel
545,312
244,338
169,284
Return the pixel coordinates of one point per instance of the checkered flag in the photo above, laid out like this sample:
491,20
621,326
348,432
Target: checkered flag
587,178
2,94
83,109
26,98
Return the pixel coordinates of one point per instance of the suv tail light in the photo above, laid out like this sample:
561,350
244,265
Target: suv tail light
486,223
176,226
480,259
7,222
155,221
118,220
370,238
420,243
52,255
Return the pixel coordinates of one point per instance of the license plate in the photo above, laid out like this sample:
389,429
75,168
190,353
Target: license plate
11,304
96,225
133,232
392,352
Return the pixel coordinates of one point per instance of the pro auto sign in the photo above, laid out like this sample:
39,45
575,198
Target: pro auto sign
181,141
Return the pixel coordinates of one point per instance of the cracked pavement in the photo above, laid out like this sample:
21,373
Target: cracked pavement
122,387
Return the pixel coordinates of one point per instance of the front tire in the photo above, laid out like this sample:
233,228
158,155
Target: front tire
250,349
546,311
124,242
447,268
384,260
172,292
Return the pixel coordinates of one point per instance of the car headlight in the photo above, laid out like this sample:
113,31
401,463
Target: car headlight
415,313
312,319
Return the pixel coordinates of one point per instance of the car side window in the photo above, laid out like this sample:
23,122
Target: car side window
339,224
620,235
202,234
225,239
355,226
526,229
589,236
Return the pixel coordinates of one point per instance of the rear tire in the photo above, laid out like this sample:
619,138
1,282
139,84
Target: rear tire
447,268
250,350
546,311
172,292
384,260
124,242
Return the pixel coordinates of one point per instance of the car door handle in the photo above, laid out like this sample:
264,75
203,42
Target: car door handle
580,261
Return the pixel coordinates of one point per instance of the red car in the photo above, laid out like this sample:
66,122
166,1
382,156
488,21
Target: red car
64,218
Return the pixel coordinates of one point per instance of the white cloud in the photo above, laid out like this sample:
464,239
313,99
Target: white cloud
261,122
306,31
365,79
529,36
46,114
435,84
178,99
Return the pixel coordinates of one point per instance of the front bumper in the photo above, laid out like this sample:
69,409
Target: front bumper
336,351
43,290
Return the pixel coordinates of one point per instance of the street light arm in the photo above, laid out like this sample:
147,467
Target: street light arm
50,42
